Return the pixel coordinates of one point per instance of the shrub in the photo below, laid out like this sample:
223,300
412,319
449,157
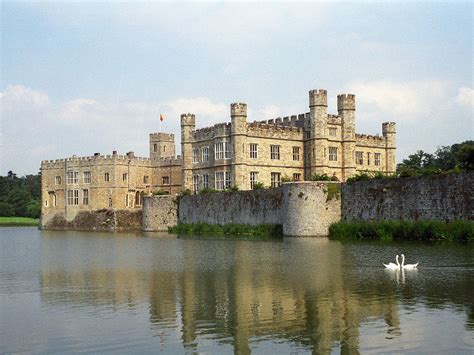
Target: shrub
160,192
258,185
320,177
186,192
207,190
461,231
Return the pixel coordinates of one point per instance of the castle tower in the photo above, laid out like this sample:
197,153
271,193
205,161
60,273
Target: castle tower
315,133
162,146
238,114
346,110
188,124
389,133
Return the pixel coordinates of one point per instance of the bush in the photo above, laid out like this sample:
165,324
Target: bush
461,231
160,192
201,228
186,192
258,185
207,190
320,177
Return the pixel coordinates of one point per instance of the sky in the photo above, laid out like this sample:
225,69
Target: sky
85,77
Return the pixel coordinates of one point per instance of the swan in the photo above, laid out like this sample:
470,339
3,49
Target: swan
393,266
408,266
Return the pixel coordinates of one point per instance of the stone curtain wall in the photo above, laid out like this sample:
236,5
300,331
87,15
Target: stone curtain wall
303,208
440,197
159,213
242,207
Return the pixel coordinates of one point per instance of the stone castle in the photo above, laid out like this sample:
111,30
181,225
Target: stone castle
239,153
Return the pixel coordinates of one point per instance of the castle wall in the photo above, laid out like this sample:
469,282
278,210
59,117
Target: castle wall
159,213
304,209
440,197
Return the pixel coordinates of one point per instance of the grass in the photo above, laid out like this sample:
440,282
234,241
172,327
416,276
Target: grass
200,228
459,231
18,221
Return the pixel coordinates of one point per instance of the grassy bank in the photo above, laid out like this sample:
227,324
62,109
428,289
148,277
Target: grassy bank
18,221
200,228
461,231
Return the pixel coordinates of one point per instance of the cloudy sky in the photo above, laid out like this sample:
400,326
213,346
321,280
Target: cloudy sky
94,77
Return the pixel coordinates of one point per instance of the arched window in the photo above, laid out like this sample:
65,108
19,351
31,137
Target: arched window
138,198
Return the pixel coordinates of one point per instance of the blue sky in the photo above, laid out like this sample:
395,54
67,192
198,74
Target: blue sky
93,77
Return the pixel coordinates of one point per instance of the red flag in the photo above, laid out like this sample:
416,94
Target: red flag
161,117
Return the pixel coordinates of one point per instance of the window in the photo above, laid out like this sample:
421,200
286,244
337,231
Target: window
72,197
110,201
127,200
307,134
195,155
275,179
332,154
106,177
368,158
253,151
195,183
72,177
228,180
219,180
332,131
359,158
85,197
227,153
377,159
296,153
55,201
205,153
205,181
165,180
57,180
253,178
155,147
275,152
124,176
86,177
219,151
146,179
45,203
296,177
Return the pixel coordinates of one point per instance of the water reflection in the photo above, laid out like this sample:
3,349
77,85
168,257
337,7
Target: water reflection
314,294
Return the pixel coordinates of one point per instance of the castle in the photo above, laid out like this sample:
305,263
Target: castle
239,153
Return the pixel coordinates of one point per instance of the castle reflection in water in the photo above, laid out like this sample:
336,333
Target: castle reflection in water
236,291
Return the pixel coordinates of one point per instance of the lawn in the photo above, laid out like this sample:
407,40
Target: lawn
18,221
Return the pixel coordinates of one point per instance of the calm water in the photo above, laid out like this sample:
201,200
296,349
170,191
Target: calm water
93,292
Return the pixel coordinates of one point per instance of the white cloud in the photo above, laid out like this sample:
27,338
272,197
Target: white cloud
465,97
401,101
22,95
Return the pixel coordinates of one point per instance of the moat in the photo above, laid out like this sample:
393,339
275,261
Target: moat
148,292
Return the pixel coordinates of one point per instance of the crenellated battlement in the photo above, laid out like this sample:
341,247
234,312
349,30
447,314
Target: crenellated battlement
218,130
318,98
162,136
94,159
291,121
345,102
369,140
334,119
238,109
168,161
273,130
188,119
388,127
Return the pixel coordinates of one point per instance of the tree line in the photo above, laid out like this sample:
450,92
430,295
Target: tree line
20,196
455,158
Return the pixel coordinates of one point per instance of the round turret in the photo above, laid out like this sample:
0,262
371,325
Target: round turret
238,109
318,98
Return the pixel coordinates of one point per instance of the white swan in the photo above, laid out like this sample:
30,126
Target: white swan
393,266
408,266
